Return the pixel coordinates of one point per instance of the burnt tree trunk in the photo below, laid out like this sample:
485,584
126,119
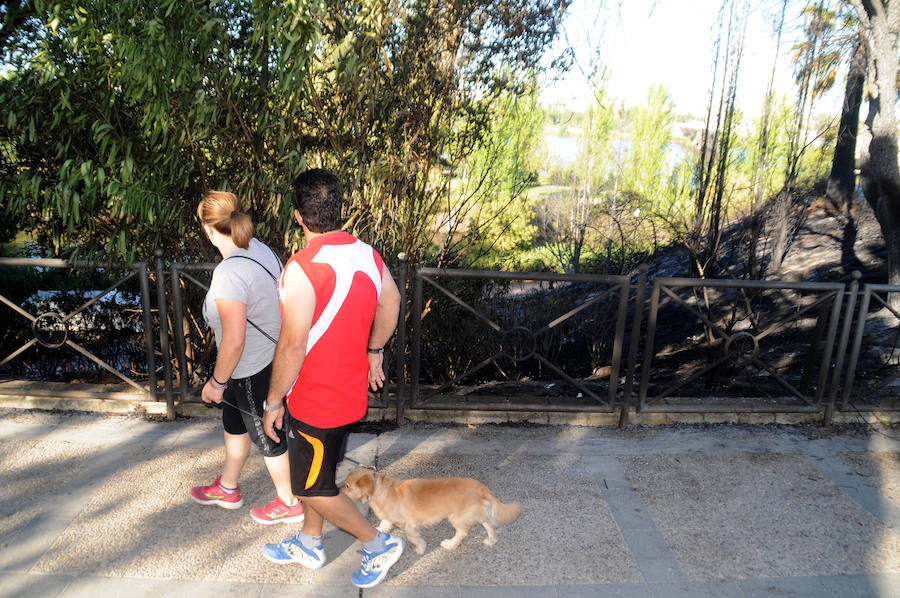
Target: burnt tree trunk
879,172
842,180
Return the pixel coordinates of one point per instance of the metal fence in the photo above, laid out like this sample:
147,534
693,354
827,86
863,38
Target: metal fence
516,341
722,345
478,340
484,340
86,322
873,368
195,348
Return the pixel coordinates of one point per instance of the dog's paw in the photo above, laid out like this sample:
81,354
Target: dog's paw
489,542
420,549
448,544
385,526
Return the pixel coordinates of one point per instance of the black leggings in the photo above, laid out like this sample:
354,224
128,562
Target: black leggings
248,394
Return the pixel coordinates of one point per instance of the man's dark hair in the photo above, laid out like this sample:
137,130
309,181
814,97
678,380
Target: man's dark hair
318,196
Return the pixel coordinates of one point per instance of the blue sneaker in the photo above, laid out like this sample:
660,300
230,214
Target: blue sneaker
375,565
290,550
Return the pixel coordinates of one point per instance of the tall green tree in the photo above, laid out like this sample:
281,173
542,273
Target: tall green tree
500,170
815,59
122,112
646,165
712,181
117,115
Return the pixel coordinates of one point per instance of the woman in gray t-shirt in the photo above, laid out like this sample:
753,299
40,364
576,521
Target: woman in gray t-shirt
243,310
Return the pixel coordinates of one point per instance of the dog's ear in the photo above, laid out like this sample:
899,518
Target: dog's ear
366,486
348,484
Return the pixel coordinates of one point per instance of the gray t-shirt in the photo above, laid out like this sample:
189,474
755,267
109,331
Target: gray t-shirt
246,281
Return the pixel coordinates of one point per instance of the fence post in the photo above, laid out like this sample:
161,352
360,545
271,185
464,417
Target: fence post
842,346
164,332
144,279
647,358
401,339
417,338
178,329
637,320
857,345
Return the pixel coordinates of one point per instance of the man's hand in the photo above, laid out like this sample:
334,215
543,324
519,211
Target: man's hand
376,372
272,420
387,312
210,394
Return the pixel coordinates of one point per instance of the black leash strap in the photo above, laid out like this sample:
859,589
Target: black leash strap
232,405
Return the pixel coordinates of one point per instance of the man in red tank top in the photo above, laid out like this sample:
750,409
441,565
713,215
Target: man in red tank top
339,307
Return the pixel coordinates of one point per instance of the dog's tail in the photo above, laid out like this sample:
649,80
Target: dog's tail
501,514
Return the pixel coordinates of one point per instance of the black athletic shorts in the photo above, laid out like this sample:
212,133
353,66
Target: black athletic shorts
249,394
314,454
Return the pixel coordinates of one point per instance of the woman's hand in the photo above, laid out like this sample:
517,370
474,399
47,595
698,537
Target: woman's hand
210,394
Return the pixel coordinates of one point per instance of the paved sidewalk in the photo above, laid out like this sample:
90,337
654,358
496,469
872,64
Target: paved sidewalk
97,505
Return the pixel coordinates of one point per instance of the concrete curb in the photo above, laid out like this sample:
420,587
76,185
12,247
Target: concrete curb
136,405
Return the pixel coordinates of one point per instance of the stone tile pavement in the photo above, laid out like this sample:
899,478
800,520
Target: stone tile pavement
97,505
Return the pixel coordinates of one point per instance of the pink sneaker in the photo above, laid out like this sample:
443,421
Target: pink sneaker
214,495
278,512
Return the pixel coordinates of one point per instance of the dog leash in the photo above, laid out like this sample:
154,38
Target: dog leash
233,406
357,463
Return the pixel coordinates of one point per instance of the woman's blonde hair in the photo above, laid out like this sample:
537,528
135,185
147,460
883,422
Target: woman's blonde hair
222,211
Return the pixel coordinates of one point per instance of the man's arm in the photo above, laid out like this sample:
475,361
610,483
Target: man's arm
299,305
386,314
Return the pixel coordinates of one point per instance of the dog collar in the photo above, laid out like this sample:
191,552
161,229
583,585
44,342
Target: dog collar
358,464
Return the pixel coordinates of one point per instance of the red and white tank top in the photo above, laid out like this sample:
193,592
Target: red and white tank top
331,389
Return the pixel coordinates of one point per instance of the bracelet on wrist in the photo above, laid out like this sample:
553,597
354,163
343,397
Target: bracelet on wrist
269,407
374,351
222,384
212,382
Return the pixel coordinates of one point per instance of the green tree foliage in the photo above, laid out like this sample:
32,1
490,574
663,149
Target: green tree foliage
601,221
598,158
570,220
502,167
126,110
118,114
750,150
646,166
816,59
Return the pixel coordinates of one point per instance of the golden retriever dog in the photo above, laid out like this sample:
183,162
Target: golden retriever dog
421,502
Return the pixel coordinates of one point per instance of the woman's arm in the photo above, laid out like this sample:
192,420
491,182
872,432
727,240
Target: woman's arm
233,314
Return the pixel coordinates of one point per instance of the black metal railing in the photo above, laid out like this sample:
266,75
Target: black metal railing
516,341
510,341
195,347
873,366
749,339
82,321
